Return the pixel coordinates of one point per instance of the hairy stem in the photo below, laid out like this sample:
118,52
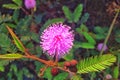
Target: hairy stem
24,11
43,70
49,63
66,70
109,32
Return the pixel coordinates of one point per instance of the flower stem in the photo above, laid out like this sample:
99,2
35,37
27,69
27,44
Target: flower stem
49,63
109,32
24,11
67,70
43,70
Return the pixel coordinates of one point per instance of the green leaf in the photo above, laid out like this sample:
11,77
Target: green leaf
16,40
4,41
101,32
3,63
92,75
2,68
116,72
76,77
117,35
69,56
16,15
98,29
25,38
96,63
19,75
5,18
11,56
51,21
38,66
38,18
18,2
100,36
61,76
82,28
38,50
9,75
87,45
11,6
26,72
35,37
67,13
47,74
84,18
89,38
3,29
13,68
77,13
84,45
11,25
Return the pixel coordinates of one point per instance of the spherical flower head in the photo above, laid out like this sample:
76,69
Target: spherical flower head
57,40
29,4
100,45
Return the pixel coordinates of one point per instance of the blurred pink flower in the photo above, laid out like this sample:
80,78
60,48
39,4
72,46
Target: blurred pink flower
57,40
29,4
100,45
108,76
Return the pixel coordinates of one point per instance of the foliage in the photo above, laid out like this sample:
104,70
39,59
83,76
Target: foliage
3,63
5,18
90,44
76,77
96,63
48,74
63,74
100,32
50,21
16,5
67,13
116,72
77,12
25,27
11,56
117,35
16,40
73,17
5,44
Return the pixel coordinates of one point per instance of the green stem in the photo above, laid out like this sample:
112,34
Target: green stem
109,32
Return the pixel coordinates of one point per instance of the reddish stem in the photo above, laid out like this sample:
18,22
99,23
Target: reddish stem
24,11
49,63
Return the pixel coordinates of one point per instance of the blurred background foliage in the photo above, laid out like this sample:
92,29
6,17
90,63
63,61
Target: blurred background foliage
89,19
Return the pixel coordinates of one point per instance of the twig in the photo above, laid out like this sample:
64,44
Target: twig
24,11
109,32
67,70
49,63
43,70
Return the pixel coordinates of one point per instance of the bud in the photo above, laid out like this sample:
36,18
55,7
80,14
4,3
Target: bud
29,4
54,71
67,64
100,45
108,76
73,62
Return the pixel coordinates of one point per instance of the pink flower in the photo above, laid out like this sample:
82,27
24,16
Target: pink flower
108,76
29,4
100,45
57,40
